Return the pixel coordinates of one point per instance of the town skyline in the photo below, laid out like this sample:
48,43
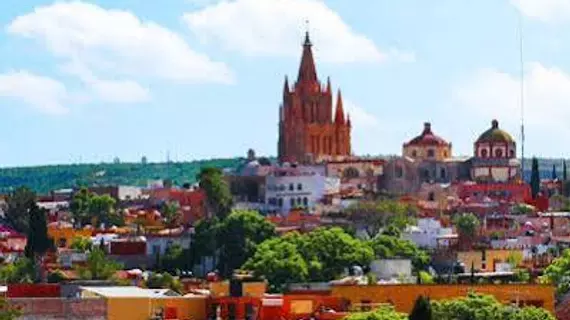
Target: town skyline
69,71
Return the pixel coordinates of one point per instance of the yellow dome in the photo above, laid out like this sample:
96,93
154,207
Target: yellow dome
494,134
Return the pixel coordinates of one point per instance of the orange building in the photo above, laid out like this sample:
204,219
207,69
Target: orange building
403,297
308,131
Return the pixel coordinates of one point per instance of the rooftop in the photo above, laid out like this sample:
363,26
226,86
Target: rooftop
130,292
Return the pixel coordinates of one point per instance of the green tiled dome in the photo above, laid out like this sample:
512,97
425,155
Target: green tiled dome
494,134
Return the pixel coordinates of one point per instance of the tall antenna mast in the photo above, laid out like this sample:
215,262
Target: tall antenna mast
521,56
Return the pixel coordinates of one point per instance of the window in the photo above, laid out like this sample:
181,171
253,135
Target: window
499,153
351,173
299,202
431,153
445,155
512,153
399,172
291,187
431,196
292,202
305,201
483,153
280,202
414,153
299,187
442,173
282,187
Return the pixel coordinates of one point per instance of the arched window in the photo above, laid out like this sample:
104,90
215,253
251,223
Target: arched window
512,153
431,196
445,155
414,153
292,202
442,173
305,201
280,202
298,201
299,187
431,153
499,153
483,153
291,187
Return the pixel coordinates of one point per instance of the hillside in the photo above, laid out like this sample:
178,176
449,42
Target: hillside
42,179
45,178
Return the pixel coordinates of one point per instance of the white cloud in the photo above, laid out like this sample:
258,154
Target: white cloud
117,44
274,27
494,94
115,91
359,117
544,10
44,94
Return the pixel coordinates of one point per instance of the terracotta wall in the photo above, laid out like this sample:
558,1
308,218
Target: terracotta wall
404,296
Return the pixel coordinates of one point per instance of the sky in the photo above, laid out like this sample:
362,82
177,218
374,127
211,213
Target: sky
88,81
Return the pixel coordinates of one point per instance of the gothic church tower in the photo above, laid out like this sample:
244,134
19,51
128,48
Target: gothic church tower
308,132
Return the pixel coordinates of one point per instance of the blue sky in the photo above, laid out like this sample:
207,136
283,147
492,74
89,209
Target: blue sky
88,81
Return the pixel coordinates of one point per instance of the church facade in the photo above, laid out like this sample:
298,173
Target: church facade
309,131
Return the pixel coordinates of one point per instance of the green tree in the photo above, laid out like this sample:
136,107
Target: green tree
421,310
535,178
219,197
163,281
375,216
82,244
79,206
329,251
18,204
383,313
98,267
554,174
8,312
238,237
280,262
483,307
21,271
38,242
386,247
321,255
204,240
558,273
87,207
173,259
171,214
467,224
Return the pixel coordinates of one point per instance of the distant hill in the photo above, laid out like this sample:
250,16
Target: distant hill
43,179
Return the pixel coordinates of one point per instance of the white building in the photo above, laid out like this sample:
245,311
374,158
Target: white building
291,187
427,233
389,269
158,243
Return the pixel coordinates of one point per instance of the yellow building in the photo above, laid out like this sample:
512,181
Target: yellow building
249,289
136,303
427,146
485,261
63,234
403,296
